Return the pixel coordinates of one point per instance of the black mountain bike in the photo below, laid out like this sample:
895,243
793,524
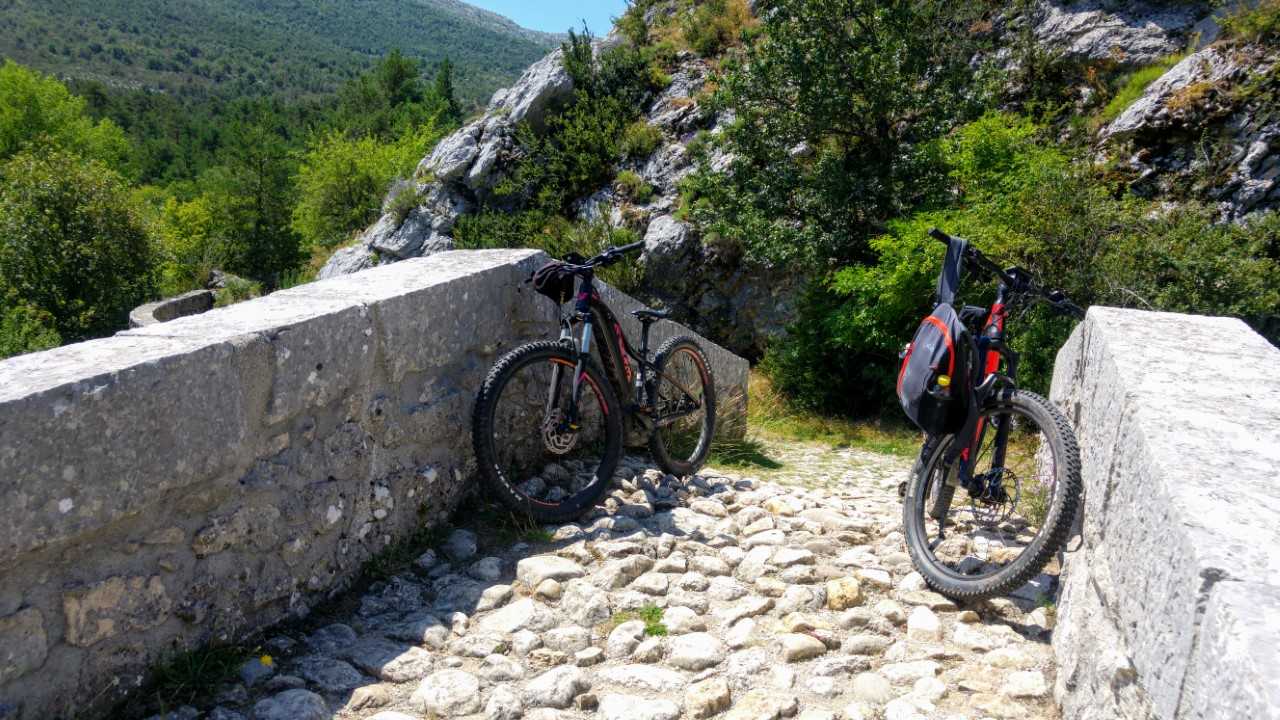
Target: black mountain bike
1016,459
549,422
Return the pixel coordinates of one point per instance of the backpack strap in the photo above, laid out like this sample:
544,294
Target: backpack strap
952,270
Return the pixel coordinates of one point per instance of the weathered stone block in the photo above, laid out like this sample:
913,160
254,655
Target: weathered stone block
114,606
23,644
1162,433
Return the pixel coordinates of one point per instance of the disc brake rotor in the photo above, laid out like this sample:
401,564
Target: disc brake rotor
556,435
989,512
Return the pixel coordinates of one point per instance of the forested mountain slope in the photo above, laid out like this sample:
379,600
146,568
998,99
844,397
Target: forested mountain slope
284,48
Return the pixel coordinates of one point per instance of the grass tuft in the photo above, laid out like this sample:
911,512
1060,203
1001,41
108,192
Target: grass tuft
1134,85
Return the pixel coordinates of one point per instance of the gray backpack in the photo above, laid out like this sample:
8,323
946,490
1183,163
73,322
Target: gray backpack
935,384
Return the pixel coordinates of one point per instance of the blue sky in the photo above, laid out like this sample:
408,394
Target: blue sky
558,15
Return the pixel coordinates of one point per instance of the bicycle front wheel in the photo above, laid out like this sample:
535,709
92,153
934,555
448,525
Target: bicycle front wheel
685,407
1017,511
539,451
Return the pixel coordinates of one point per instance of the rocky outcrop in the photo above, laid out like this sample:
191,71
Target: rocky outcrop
1135,33
707,287
1206,129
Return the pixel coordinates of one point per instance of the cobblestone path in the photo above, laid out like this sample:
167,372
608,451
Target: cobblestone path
729,595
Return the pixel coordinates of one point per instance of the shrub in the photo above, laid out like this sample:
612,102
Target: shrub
551,233
237,290
1255,23
1028,204
72,245
25,329
640,139
633,187
868,85
714,25
341,181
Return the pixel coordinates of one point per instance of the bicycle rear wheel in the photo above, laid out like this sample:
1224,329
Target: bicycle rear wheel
532,454
1017,513
685,407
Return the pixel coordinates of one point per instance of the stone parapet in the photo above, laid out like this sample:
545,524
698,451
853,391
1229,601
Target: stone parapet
196,481
1170,605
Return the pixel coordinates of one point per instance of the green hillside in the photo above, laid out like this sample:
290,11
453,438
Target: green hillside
290,48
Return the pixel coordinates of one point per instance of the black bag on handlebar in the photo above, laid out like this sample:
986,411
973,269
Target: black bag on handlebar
555,280
935,385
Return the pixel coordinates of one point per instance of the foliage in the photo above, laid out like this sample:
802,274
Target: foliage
1134,84
38,113
714,25
1029,204
236,290
242,48
633,187
867,85
24,329
1254,21
553,234
341,181
639,140
775,419
72,246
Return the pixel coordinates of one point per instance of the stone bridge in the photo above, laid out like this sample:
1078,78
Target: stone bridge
225,478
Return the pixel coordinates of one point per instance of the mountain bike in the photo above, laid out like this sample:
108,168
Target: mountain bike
549,421
1015,456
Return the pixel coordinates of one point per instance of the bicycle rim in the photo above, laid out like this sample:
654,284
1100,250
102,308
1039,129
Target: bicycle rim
681,410
545,456
1000,523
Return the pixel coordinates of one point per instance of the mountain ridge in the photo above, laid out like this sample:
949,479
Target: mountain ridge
242,47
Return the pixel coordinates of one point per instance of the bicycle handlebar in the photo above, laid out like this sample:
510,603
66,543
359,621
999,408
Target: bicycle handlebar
1016,279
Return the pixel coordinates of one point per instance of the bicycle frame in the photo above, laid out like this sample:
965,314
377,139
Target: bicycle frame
616,352
992,352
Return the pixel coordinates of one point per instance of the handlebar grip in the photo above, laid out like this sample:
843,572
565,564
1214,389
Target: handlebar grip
940,236
630,248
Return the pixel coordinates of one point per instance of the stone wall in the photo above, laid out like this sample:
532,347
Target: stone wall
1170,604
192,303
198,480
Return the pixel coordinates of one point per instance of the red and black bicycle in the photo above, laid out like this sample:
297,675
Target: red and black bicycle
1010,450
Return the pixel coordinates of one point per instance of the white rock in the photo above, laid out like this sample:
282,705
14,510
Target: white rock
923,625
556,688
1029,684
696,651
532,571
448,693
624,638
681,620
628,707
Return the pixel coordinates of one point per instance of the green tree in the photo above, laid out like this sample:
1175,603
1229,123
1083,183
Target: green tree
72,246
252,195
836,106
38,112
444,92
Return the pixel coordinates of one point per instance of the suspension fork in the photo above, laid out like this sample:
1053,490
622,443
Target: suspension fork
557,372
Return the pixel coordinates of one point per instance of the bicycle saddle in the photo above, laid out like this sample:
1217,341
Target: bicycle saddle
647,315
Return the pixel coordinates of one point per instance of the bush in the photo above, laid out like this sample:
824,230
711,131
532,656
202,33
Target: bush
552,234
633,187
24,329
1133,85
1259,23
639,140
868,86
72,246
714,25
1024,203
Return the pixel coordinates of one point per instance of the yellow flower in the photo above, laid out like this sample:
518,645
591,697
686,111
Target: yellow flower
267,660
